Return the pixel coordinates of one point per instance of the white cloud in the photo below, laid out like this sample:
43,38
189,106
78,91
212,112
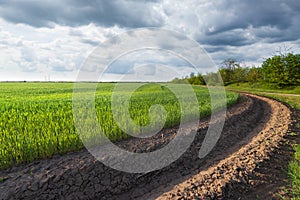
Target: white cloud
63,41
47,51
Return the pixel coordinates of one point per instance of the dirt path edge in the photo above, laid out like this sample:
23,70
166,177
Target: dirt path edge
231,177
254,128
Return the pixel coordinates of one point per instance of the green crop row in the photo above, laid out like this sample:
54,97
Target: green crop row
37,118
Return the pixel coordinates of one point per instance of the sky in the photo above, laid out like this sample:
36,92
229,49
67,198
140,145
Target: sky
52,39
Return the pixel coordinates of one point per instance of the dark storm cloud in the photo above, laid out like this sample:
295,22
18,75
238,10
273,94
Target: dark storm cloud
255,13
228,38
263,20
212,49
77,12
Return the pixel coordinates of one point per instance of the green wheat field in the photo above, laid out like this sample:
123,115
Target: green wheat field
37,120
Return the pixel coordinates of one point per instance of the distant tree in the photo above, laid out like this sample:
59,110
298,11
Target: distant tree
200,79
196,79
230,64
254,74
282,70
193,79
240,74
178,80
292,69
213,79
226,74
192,75
231,71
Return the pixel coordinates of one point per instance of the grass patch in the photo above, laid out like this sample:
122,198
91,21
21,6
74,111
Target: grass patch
292,134
294,173
262,87
279,94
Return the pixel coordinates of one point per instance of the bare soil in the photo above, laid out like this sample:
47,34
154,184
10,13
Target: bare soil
271,175
254,134
241,175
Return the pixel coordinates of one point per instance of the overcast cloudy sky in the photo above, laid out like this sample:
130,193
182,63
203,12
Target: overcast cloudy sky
52,38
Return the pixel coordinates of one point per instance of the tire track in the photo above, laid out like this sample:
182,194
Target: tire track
231,175
241,147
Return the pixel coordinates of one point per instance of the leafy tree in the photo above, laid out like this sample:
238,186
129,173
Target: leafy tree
230,64
193,79
196,79
178,80
200,79
282,70
213,79
231,71
254,74
293,69
226,74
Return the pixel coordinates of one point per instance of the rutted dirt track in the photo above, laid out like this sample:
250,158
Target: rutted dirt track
253,129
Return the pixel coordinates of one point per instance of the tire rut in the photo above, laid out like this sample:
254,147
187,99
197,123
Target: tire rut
79,176
230,177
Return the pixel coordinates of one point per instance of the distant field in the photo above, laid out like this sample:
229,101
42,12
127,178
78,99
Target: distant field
260,87
288,95
37,121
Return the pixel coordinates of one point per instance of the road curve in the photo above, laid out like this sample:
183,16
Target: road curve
253,128
224,178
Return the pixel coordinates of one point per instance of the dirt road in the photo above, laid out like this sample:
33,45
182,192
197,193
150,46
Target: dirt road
281,94
253,129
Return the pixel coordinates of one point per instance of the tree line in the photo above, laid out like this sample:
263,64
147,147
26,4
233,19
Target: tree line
282,70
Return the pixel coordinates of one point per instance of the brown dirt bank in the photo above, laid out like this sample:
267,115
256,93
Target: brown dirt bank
253,129
237,176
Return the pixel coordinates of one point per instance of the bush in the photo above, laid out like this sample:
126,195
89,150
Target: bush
282,70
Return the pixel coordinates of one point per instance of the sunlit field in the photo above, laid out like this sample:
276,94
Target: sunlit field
37,120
